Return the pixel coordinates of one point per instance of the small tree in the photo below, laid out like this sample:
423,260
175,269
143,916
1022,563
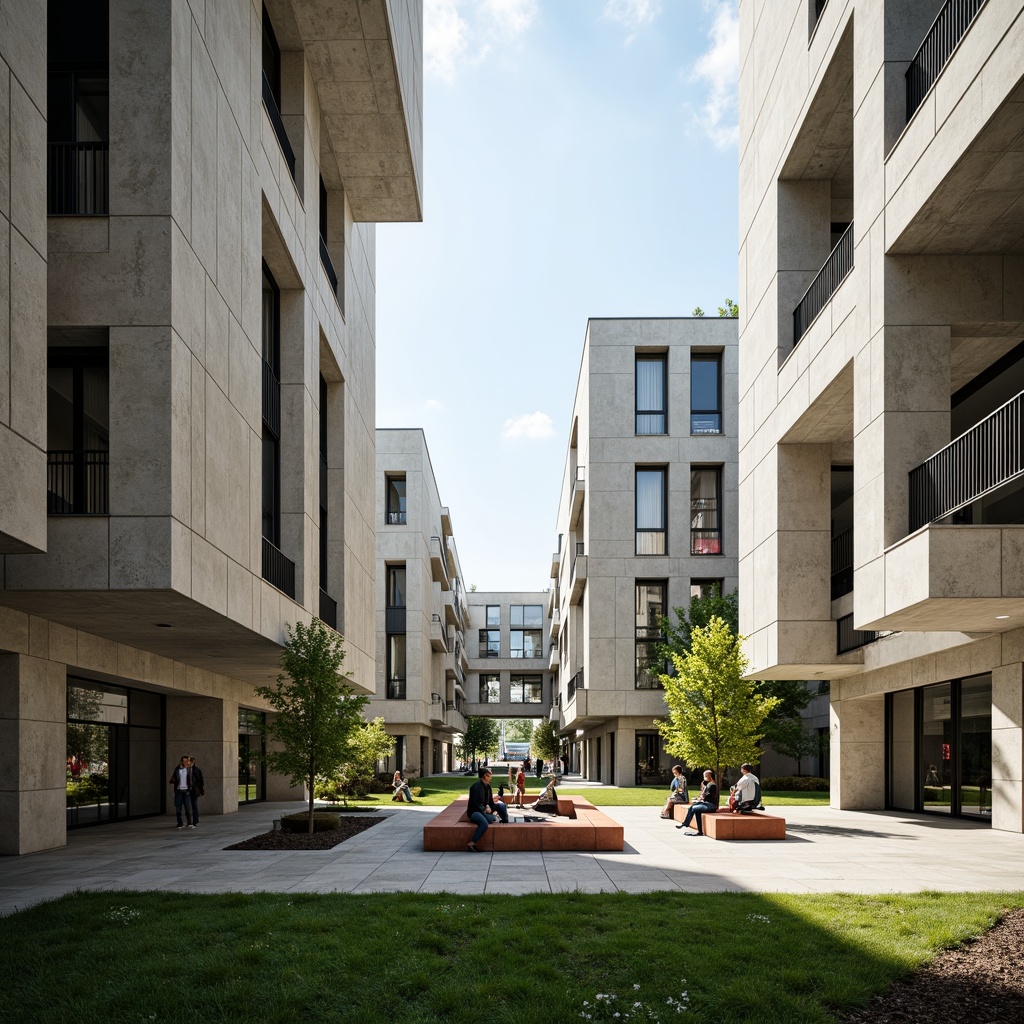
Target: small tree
481,736
729,309
518,730
715,715
790,739
697,311
317,712
702,609
544,741
370,744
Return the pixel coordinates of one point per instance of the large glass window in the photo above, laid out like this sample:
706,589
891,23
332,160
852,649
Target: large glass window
490,643
493,616
705,510
526,636
651,512
490,688
252,744
651,393
527,689
937,747
650,609
705,393
396,506
976,746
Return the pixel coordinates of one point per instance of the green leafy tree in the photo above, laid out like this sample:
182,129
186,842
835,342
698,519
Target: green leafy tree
370,744
697,311
481,737
544,741
701,611
790,739
518,730
729,309
317,714
714,714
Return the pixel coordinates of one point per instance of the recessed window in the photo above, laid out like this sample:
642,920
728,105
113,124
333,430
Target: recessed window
527,689
705,394
493,615
396,667
490,688
525,638
490,643
651,393
651,511
396,506
706,510
650,609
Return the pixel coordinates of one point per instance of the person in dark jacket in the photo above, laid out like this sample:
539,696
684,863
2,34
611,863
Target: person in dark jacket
181,780
196,791
707,803
483,808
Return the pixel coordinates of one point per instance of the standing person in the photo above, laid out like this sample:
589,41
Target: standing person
520,786
483,808
181,780
196,790
707,803
511,777
565,764
677,792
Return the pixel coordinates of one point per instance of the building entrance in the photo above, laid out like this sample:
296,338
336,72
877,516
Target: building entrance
252,771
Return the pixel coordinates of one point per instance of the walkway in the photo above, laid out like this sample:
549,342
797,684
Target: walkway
828,851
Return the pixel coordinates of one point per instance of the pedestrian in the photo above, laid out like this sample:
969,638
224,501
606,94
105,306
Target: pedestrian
677,793
483,809
196,790
520,786
181,780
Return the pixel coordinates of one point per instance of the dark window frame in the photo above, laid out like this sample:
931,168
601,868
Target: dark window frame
486,678
663,529
396,516
489,643
645,637
714,358
702,546
522,680
494,623
707,581
650,357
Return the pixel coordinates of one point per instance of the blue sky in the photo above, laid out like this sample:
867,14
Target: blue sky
580,161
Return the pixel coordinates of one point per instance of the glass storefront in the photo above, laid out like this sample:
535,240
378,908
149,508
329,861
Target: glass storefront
114,752
939,748
252,771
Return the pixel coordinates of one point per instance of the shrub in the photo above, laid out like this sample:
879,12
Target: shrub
795,783
323,821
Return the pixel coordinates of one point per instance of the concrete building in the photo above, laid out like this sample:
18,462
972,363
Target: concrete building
421,609
647,516
187,203
882,312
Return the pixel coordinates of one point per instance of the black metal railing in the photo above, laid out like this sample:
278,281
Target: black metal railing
396,518
394,620
823,287
436,621
278,568
328,265
396,689
78,483
271,399
581,549
849,639
275,119
574,684
77,179
328,609
988,455
842,564
941,40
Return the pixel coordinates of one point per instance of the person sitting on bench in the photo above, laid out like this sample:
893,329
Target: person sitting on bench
746,794
706,803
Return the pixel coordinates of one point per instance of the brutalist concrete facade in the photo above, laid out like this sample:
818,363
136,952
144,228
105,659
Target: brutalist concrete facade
623,443
161,238
882,310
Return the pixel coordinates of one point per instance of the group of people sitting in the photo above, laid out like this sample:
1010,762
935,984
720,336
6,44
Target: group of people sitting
744,797
485,809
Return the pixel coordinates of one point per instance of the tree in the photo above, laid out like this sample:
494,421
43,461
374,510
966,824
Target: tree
790,739
703,608
481,736
370,744
518,730
317,712
697,311
544,741
714,714
729,309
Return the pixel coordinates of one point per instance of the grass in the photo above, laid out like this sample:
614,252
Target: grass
419,959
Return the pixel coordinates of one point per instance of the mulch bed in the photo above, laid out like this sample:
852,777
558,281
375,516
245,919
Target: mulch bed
304,841
981,982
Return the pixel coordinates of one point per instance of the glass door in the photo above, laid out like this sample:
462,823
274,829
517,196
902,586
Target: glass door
976,747
251,747
936,748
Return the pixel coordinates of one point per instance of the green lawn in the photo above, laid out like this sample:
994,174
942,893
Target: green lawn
420,959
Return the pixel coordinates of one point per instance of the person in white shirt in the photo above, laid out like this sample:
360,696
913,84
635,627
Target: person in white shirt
181,780
745,791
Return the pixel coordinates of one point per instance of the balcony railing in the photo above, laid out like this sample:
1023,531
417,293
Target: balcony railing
842,564
394,620
275,119
396,689
77,179
942,38
849,639
328,609
278,568
988,455
823,287
581,549
77,483
328,265
271,399
574,684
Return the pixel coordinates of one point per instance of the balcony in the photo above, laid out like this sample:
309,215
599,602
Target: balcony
438,639
438,710
553,657
576,683
579,575
555,713
328,264
849,639
439,564
396,689
824,286
842,565
77,483
556,560
451,617
270,105
579,493
394,620
553,626
278,569
77,179
942,39
396,517
328,610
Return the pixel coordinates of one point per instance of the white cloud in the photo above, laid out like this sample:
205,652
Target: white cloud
461,32
432,405
535,426
719,70
632,14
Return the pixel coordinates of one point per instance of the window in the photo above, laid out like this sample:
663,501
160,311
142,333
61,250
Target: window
395,487
77,431
490,643
271,340
396,586
651,394
490,688
650,608
706,588
493,615
328,607
705,394
272,89
528,615
650,512
705,511
526,636
527,689
325,253
396,667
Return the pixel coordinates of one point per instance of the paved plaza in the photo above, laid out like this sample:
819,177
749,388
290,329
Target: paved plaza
827,851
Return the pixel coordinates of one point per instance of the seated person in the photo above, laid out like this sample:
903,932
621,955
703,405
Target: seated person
548,800
678,793
746,794
483,809
402,792
706,803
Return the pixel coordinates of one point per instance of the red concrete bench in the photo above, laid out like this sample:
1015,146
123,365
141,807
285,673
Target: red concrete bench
579,826
723,824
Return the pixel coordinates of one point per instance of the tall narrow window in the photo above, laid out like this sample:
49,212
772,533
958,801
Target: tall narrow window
396,507
705,393
490,688
271,328
328,606
272,89
650,512
325,254
396,666
650,608
706,510
493,615
651,394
